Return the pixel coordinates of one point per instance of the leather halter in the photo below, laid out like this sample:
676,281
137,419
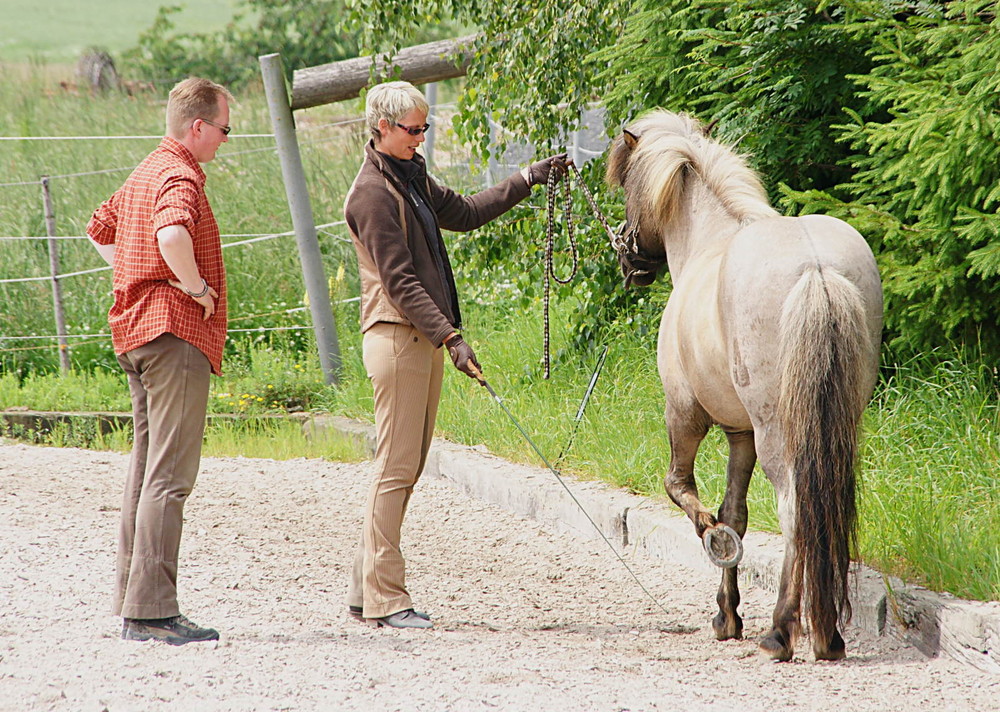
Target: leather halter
634,262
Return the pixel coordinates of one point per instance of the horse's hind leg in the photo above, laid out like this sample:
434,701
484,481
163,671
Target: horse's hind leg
733,512
779,643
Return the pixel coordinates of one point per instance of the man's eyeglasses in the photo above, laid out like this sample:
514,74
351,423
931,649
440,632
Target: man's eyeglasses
224,129
415,131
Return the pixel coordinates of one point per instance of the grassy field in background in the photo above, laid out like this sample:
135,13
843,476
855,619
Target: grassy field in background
930,504
58,31
244,185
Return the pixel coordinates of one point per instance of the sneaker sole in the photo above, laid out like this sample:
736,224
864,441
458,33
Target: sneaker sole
169,639
356,615
380,623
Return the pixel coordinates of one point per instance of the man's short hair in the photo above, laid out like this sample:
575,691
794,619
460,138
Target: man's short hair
193,98
392,101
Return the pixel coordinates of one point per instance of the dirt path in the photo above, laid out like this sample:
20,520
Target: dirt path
525,619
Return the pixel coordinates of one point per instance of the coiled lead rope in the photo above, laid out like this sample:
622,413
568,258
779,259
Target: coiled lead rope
550,231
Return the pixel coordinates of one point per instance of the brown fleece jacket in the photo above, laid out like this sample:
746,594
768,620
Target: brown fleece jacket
400,278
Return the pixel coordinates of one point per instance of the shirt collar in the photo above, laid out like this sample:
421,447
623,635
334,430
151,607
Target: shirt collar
169,143
406,171
385,162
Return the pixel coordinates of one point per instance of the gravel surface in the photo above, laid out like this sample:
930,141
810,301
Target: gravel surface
525,619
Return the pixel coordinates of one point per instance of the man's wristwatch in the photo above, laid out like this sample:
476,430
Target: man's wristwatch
198,295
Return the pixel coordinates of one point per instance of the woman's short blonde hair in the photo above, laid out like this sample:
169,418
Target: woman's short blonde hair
392,101
193,98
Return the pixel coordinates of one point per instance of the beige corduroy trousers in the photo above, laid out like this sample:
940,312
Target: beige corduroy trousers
406,371
168,379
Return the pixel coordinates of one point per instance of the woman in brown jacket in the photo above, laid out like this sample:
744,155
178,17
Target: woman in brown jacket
409,308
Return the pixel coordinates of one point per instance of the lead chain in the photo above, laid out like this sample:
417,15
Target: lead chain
596,210
550,230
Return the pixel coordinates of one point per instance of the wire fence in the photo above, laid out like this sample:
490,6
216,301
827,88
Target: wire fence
308,135
68,335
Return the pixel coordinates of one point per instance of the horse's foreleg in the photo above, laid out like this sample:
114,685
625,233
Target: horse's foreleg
733,512
686,433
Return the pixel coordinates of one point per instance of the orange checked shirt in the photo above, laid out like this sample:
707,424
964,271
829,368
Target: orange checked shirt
167,188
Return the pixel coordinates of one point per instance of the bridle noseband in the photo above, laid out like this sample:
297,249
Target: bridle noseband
636,265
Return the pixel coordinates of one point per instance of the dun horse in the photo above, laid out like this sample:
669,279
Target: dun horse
772,332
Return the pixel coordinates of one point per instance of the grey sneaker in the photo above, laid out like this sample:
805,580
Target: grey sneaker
403,619
176,630
357,613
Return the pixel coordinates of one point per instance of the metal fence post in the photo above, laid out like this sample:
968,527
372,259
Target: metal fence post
57,302
492,164
302,216
432,95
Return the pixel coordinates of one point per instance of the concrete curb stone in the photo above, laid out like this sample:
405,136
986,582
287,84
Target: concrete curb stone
936,624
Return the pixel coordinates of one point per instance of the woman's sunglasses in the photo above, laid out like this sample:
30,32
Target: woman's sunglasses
415,131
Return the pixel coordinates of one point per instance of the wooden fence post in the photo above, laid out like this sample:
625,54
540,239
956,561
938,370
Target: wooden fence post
50,230
345,79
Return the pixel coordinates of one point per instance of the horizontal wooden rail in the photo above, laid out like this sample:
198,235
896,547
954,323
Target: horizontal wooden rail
421,64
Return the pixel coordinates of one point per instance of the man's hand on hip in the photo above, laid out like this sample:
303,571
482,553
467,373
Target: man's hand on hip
206,300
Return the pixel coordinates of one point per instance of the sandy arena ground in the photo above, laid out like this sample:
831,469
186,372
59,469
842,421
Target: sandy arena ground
524,619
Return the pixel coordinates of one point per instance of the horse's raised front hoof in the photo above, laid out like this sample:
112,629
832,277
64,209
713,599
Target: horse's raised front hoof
837,650
774,646
723,546
727,628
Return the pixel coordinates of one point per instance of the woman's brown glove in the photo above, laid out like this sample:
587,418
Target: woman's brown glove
539,172
462,355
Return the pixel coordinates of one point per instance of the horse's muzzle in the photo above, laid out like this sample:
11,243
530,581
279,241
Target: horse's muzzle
638,270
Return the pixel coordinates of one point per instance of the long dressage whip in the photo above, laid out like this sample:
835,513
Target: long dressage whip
483,382
583,403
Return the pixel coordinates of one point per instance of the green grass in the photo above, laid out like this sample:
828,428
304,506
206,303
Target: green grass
58,31
277,440
931,496
257,437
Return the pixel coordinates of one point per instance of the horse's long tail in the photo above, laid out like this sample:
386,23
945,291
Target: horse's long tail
824,351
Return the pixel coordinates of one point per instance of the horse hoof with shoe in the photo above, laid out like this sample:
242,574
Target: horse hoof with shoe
771,332
723,546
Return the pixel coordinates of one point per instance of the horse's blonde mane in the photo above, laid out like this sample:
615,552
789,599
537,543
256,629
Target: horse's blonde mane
672,144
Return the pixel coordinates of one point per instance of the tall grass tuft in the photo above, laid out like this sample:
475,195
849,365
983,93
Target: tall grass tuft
931,496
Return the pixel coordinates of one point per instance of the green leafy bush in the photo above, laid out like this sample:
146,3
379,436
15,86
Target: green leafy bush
927,173
305,32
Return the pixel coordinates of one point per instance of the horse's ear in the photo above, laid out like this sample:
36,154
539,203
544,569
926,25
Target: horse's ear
631,140
707,130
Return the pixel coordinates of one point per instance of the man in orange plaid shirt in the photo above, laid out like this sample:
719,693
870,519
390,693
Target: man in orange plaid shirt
168,326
